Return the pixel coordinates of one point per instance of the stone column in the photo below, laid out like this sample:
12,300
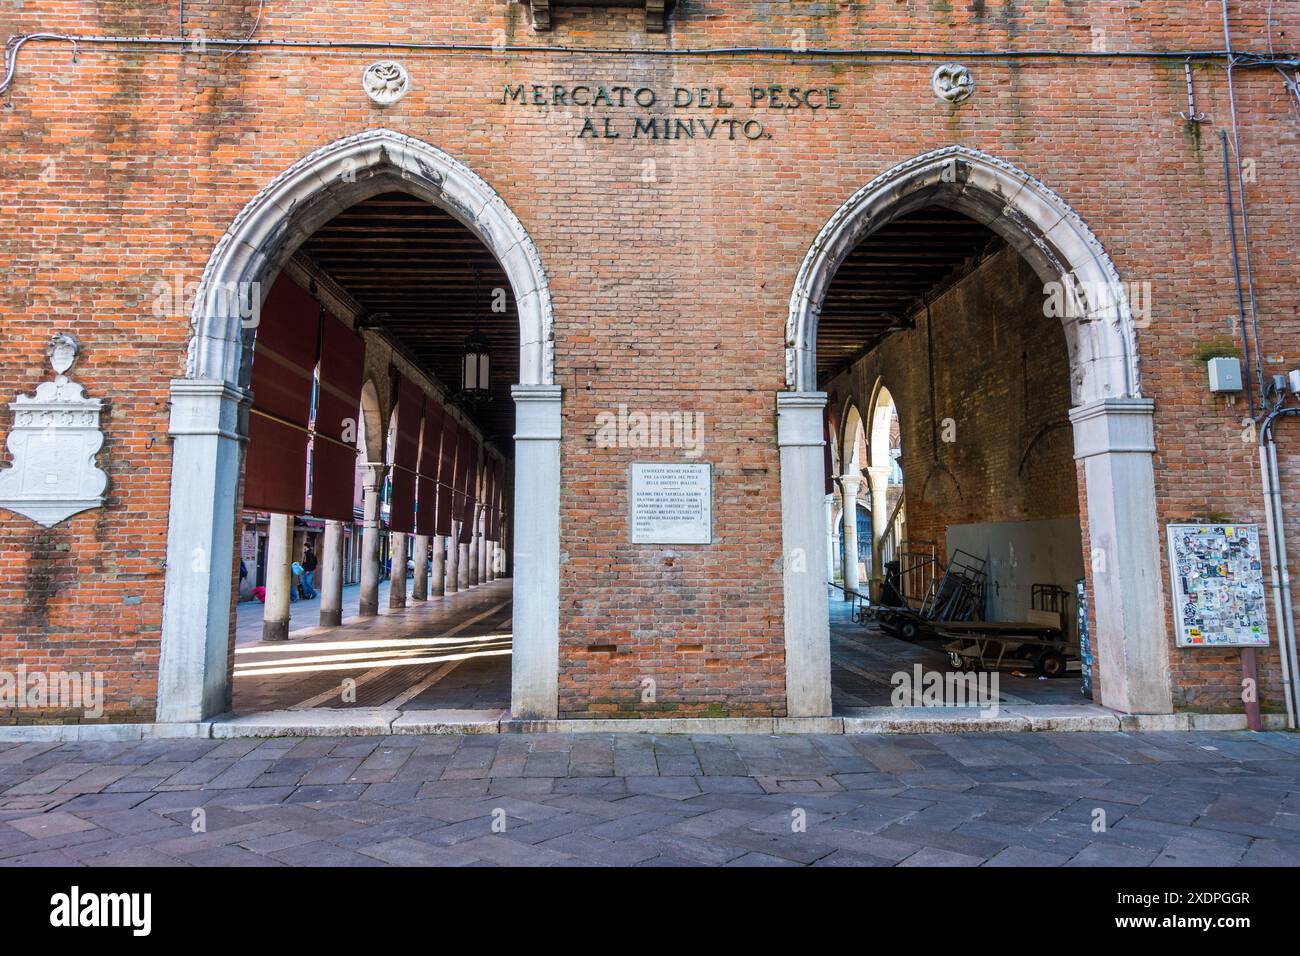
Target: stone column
536,655
438,573
331,575
279,578
397,578
420,584
462,565
475,546
1115,440
807,621
879,516
453,559
851,484
207,422
370,478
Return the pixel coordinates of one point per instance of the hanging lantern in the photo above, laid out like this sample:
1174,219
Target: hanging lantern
475,369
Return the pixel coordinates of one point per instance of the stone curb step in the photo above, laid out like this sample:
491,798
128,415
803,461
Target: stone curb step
362,722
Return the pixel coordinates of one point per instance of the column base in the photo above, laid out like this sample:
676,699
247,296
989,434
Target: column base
275,630
368,609
331,618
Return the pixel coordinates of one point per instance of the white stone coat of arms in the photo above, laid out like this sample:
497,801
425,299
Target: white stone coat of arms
54,440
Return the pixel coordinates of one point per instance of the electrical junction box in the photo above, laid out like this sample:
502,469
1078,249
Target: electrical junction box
1225,375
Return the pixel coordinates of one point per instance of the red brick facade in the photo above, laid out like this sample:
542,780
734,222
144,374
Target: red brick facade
671,264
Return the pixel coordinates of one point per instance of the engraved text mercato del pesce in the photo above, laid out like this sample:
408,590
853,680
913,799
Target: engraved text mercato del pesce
682,113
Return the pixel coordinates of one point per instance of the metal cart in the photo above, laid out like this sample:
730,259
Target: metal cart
956,596
1042,642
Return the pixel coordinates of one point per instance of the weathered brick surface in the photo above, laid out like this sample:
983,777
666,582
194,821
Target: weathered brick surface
671,281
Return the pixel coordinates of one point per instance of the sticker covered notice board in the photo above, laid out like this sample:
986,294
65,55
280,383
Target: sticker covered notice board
1218,583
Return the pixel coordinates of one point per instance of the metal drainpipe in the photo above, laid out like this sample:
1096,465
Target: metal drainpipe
1236,272
1241,191
1282,605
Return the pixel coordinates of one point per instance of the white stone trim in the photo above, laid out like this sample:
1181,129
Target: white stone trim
1115,440
359,722
803,513
207,405
1114,434
206,452
535,668
270,228
1034,219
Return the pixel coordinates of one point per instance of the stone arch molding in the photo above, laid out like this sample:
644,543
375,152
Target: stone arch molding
209,408
1038,223
1114,435
280,218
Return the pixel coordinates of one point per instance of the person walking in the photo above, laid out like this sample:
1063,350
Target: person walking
309,573
295,581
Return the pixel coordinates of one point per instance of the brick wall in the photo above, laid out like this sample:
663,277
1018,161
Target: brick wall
671,265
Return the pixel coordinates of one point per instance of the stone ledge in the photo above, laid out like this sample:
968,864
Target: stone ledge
363,722
932,720
317,722
442,722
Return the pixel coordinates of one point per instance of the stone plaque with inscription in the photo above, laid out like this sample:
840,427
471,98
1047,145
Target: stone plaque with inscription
671,503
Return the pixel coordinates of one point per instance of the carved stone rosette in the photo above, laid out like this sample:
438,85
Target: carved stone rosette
953,83
386,82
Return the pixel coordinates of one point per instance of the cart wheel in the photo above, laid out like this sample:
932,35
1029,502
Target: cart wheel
970,665
1051,664
956,660
909,631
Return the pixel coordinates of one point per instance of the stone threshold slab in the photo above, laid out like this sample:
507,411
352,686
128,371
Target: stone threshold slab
360,722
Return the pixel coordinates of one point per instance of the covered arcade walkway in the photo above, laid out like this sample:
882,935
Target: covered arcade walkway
451,653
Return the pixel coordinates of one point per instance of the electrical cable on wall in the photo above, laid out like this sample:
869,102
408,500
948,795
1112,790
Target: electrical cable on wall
885,54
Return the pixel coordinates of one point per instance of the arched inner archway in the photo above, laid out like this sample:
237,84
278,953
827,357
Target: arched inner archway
885,479
967,206
275,238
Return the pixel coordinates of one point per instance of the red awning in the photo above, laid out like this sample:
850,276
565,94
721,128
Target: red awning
489,499
338,414
500,503
447,474
284,359
426,500
466,471
406,456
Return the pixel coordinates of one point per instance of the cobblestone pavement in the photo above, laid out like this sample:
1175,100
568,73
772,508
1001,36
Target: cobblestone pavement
953,800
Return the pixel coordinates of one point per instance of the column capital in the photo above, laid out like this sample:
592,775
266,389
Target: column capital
537,412
207,407
799,419
1124,425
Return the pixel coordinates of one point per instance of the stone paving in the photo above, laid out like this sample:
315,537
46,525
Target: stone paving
639,800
